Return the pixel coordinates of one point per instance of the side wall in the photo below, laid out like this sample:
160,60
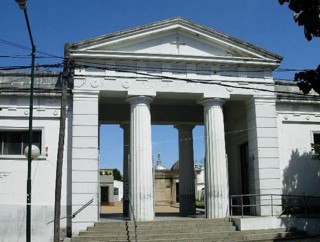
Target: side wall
236,135
300,168
13,172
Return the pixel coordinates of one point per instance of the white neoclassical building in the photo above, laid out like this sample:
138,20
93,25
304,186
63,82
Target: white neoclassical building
258,131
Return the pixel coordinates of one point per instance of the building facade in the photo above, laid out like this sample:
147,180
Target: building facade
258,131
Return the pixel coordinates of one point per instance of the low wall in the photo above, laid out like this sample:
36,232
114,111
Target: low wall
13,223
310,225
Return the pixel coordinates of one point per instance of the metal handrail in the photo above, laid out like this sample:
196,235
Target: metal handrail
76,212
134,219
269,197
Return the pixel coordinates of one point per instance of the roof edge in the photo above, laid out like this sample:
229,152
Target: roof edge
171,21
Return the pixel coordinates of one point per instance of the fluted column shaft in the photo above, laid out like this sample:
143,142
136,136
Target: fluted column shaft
186,171
216,176
141,179
126,151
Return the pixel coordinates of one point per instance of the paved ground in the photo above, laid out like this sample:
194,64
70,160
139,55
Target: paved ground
117,208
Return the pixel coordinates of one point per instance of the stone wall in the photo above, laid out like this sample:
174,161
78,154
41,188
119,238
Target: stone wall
163,181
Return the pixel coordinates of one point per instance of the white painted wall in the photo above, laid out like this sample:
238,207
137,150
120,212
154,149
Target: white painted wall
300,169
310,225
119,185
200,184
13,183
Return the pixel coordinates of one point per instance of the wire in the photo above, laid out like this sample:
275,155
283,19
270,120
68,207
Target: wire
12,68
218,70
194,80
201,81
6,42
15,56
23,47
24,57
154,67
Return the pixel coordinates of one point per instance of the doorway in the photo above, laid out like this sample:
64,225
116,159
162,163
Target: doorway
104,195
244,160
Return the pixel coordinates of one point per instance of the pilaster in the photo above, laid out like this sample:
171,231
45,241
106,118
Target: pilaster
85,163
216,173
141,179
186,171
264,153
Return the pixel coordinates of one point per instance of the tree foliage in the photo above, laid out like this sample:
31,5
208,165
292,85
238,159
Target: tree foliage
307,14
307,80
117,175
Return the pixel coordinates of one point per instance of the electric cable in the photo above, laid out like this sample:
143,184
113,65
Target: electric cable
23,47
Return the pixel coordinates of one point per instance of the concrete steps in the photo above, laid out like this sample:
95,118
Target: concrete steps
180,230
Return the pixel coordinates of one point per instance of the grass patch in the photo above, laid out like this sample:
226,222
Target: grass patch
199,204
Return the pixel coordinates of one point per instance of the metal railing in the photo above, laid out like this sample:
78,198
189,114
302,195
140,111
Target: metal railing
76,212
248,204
134,219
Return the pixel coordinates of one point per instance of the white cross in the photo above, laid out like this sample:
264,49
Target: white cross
177,43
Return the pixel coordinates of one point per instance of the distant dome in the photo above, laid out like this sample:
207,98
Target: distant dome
159,166
175,166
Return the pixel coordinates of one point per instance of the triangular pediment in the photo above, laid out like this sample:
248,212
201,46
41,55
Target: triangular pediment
175,37
176,42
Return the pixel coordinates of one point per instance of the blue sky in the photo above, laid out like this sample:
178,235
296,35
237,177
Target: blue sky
264,23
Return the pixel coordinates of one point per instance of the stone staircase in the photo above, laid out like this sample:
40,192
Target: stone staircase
181,230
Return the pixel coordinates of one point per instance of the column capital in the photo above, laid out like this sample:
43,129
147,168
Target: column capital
183,126
85,94
262,99
139,99
209,102
125,125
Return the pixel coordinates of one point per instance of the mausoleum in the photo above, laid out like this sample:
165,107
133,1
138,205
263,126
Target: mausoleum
258,131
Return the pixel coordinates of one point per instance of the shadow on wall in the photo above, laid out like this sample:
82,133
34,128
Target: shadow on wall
302,177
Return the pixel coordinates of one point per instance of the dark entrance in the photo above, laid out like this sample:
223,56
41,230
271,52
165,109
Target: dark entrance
177,192
104,195
244,159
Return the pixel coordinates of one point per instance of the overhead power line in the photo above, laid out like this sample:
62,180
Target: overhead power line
24,57
215,69
193,80
143,72
119,68
12,68
23,47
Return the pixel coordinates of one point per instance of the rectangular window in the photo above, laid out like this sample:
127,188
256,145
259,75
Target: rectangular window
115,191
13,142
316,143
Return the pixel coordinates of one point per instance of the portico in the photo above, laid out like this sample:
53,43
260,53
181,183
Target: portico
172,72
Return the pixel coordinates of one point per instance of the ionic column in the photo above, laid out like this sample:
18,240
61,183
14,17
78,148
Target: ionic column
141,179
216,176
126,150
186,171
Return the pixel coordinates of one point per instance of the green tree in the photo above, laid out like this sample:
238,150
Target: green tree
307,14
117,175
